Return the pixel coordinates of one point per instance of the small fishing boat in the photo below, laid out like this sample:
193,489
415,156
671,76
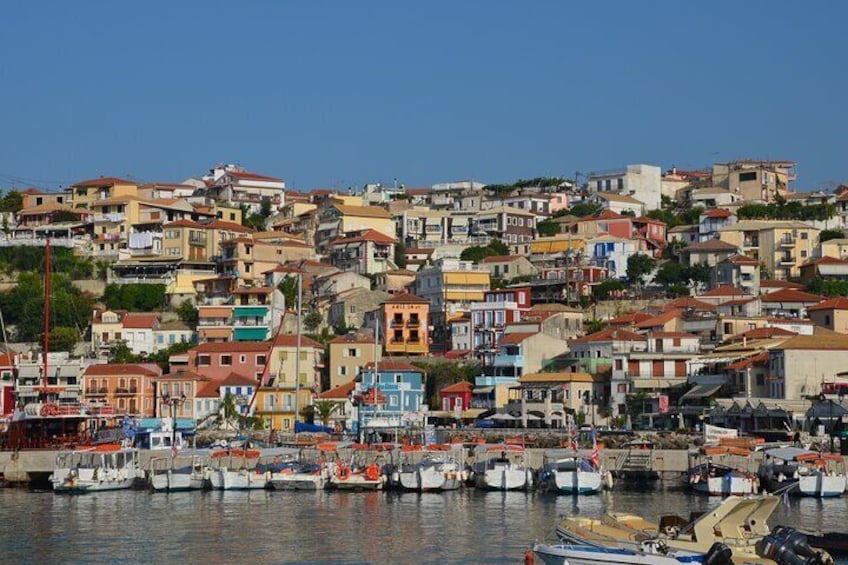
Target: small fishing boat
237,470
165,476
502,467
302,475
97,468
430,468
803,472
574,475
717,479
350,477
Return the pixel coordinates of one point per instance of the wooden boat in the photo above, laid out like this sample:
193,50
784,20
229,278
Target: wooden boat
436,469
803,472
501,467
574,475
165,476
738,523
97,468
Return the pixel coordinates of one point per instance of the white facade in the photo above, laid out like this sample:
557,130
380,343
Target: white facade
642,182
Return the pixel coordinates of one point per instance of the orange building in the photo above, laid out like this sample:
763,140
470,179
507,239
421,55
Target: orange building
127,387
406,324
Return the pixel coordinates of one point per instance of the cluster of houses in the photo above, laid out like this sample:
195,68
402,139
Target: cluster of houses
385,267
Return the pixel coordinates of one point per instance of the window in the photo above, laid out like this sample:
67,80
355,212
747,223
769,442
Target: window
304,355
827,319
242,359
803,235
620,183
260,359
343,370
226,360
203,360
160,339
745,177
398,378
619,365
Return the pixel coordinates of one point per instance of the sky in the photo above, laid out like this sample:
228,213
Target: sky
335,94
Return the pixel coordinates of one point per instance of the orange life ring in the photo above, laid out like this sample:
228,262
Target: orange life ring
372,472
343,473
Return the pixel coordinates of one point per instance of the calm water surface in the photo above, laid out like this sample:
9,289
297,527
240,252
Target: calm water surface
466,526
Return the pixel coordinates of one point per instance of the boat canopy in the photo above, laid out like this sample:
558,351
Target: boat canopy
788,453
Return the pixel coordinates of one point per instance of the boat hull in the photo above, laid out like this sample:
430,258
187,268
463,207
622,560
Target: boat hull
576,482
504,478
423,478
299,481
243,479
566,554
728,485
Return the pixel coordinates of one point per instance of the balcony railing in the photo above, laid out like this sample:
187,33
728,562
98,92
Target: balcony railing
413,322
787,241
787,260
397,323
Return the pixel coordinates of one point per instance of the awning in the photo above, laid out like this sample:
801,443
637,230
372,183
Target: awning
482,390
701,391
657,383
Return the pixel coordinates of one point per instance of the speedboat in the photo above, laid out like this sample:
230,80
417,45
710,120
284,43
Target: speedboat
435,469
574,475
97,468
583,554
501,467
803,472
739,524
170,478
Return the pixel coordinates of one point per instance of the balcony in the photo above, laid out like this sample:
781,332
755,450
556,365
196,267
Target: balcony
126,391
97,392
397,324
413,323
787,260
114,217
787,241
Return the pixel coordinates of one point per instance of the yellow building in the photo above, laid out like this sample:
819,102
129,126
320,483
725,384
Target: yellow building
275,402
781,246
187,240
348,354
406,325
112,220
837,248
227,213
87,192
247,259
557,244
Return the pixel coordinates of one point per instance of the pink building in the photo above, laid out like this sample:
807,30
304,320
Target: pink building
489,317
217,360
456,396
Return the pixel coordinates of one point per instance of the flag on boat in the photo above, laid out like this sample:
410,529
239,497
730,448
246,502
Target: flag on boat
573,437
595,453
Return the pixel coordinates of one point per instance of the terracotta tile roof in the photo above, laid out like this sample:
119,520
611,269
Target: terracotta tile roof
237,379
368,235
833,341
686,302
50,207
406,298
717,213
290,340
566,377
341,392
458,354
838,303
463,386
185,224
359,337
228,226
394,366
183,374
760,358
725,290
712,245
670,335
742,260
609,334
233,347
252,290
122,369
208,390
102,182
762,333
140,320
790,295
251,176
605,215
501,258
618,198
647,220
660,320
630,319
738,302
515,338
283,269
826,260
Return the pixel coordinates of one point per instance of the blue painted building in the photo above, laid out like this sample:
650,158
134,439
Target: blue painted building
399,397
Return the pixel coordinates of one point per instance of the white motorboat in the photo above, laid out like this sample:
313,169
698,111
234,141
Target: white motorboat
803,472
436,469
721,480
97,468
582,554
501,467
237,470
368,477
575,475
170,478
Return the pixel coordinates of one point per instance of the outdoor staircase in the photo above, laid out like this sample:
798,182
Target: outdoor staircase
636,464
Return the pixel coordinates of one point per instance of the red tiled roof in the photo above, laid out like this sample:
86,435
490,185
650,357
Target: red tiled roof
394,366
228,226
711,245
762,333
406,298
724,290
630,319
742,260
208,390
669,335
367,235
251,176
606,214
121,369
463,386
340,392
774,283
660,320
237,379
717,213
838,303
790,295
183,223
689,302
738,301
183,374
102,182
758,359
373,396
353,338
458,354
140,320
610,334
501,258
515,338
647,220
826,260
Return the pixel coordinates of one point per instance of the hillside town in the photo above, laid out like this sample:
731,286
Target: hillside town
635,298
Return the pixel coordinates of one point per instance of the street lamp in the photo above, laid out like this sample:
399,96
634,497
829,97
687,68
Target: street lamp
173,402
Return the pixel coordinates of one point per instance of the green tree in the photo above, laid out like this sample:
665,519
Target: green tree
228,411
639,266
187,312
664,216
265,207
64,339
827,235
312,321
324,409
135,297
691,216
594,326
65,216
288,287
547,228
120,352
585,209
604,290
400,255
12,201
440,373
498,247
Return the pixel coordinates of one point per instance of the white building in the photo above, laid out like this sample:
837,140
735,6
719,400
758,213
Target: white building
642,182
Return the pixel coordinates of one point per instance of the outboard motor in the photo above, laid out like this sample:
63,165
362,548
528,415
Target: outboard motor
788,546
719,554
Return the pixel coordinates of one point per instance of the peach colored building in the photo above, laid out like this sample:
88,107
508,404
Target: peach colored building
129,388
406,324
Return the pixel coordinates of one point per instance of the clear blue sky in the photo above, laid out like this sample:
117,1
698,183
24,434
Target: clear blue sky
334,94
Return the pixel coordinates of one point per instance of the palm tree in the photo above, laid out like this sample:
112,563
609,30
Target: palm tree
228,410
324,409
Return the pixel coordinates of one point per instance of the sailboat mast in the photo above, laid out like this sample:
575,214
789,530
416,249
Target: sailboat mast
297,350
47,292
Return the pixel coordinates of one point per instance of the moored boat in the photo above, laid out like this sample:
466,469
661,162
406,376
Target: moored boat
716,479
96,468
429,468
574,475
165,476
236,470
501,467
803,472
